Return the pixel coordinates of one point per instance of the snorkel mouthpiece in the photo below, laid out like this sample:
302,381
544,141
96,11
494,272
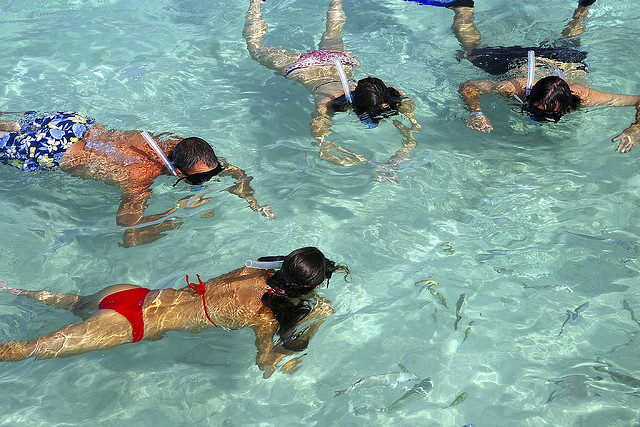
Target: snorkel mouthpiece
159,152
344,81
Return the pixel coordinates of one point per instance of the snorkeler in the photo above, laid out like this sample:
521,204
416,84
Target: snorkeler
498,60
278,301
372,100
79,146
548,99
560,66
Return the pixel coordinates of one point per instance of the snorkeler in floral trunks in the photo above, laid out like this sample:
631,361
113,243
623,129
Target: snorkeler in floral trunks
79,146
372,101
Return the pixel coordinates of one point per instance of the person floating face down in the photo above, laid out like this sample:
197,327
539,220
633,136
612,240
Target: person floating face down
549,99
551,96
316,70
273,303
79,146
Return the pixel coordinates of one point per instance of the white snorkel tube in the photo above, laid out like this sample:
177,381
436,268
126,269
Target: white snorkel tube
531,72
159,152
343,79
265,265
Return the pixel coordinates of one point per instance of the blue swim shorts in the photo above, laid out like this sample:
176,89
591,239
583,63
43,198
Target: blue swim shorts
42,140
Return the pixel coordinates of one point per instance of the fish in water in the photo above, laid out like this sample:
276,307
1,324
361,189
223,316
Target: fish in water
622,243
466,334
458,400
391,380
429,284
576,386
490,254
625,305
617,376
417,391
462,302
573,315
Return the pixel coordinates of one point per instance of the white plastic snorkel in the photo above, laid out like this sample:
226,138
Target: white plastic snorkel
265,265
343,79
531,72
159,152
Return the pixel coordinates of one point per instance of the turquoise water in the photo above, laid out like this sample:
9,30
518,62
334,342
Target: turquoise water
527,221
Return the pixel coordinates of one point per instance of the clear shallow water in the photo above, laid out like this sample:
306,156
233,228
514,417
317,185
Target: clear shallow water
491,216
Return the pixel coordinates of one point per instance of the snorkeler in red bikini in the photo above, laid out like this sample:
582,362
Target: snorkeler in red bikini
273,299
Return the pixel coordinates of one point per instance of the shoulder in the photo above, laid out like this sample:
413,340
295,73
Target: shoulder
240,275
509,87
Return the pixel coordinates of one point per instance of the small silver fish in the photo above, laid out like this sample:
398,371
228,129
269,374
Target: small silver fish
573,315
462,302
625,305
577,386
419,390
622,243
617,376
391,380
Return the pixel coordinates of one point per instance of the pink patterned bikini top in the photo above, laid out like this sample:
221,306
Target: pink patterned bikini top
319,58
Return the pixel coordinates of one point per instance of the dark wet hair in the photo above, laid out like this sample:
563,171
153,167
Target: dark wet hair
190,151
550,98
302,271
369,97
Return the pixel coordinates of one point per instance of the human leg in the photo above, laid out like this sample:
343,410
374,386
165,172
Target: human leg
71,302
9,126
332,36
105,329
464,29
65,301
576,26
255,29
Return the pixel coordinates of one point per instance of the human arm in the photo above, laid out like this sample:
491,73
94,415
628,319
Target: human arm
269,355
470,92
589,97
387,171
241,188
320,128
407,105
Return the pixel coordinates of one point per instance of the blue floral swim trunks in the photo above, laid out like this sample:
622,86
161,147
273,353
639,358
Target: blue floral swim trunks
42,140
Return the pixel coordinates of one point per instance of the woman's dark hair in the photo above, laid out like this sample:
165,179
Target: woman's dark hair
549,99
372,99
302,271
190,151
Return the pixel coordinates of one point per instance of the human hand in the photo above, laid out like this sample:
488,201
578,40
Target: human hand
404,131
386,172
323,308
183,202
627,139
338,155
266,211
6,288
150,233
292,365
479,122
198,201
